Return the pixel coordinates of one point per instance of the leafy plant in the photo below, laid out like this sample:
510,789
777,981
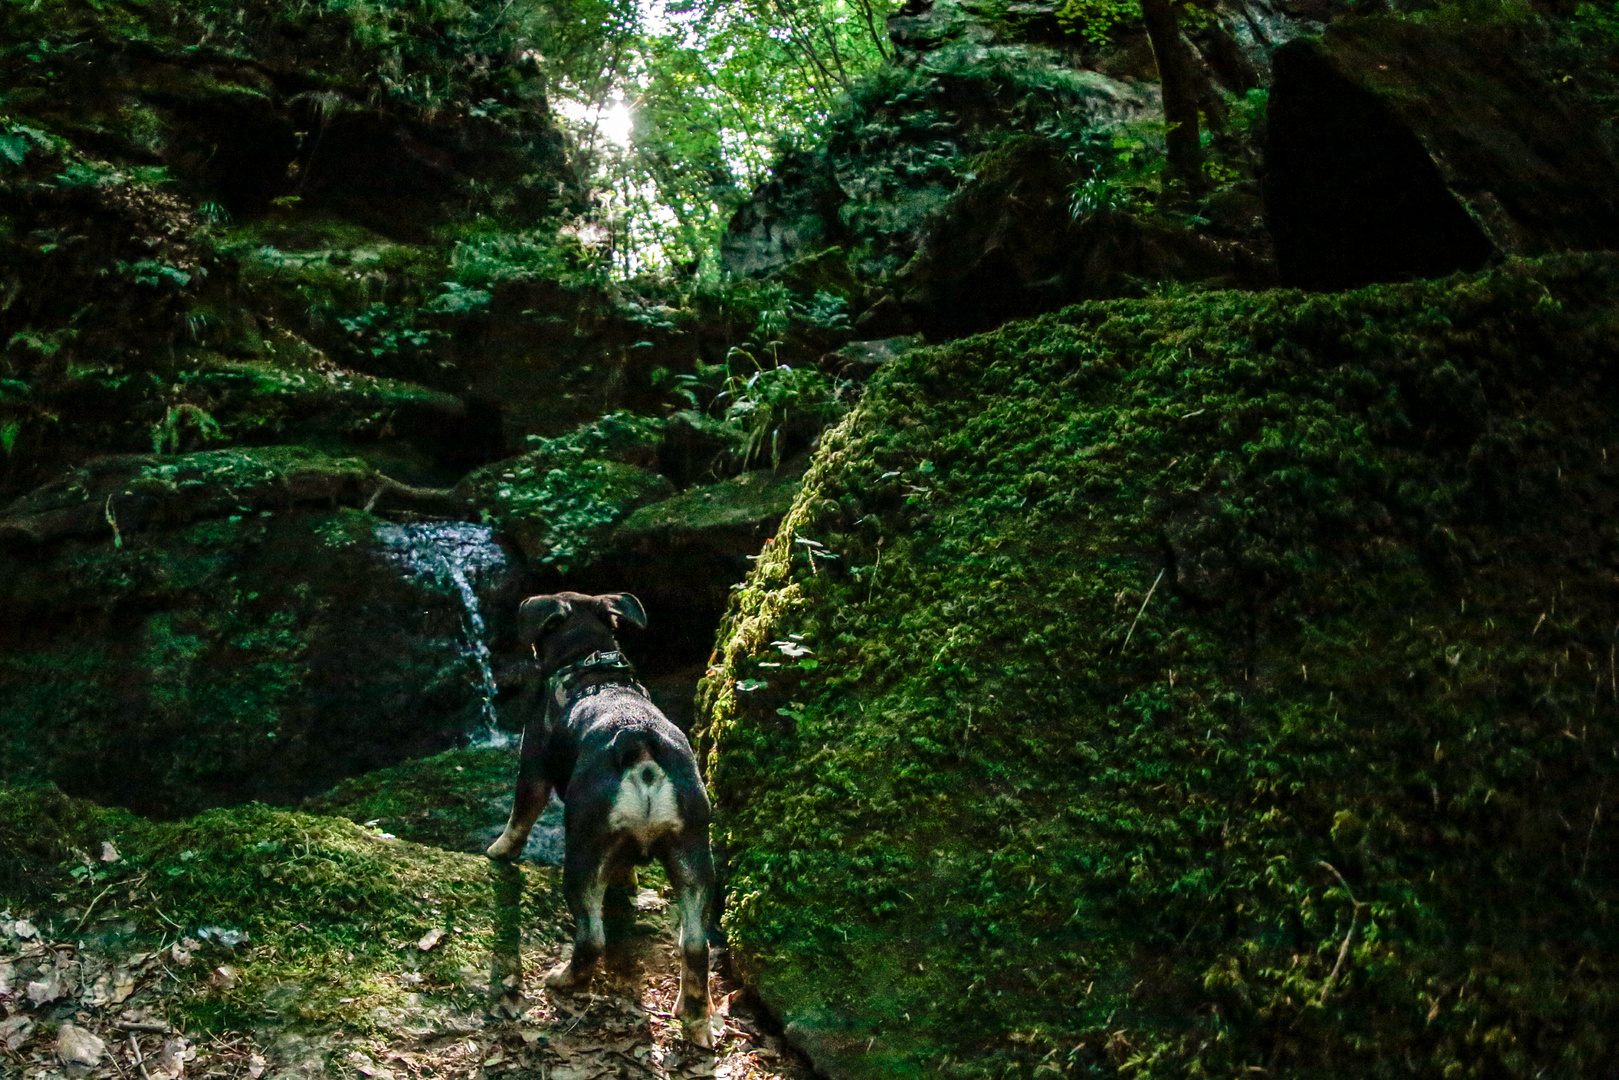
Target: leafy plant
169,433
773,406
1098,20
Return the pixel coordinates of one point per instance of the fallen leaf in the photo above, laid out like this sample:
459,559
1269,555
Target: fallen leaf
430,939
75,1046
108,852
366,1067
15,1031
99,993
224,977
494,1059
47,989
255,1066
181,951
169,1063
7,973
123,984
24,929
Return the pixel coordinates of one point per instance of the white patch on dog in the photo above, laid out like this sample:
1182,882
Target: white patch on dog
693,934
645,806
595,929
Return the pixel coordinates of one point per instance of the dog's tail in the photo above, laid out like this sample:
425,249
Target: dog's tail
630,747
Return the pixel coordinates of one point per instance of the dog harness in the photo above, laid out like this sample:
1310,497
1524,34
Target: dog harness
560,686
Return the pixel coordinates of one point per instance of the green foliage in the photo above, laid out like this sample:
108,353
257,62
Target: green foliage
485,260
1175,688
774,408
168,433
1597,20
561,500
1098,20
16,141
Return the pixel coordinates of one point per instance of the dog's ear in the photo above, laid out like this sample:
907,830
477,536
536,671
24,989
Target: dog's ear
537,613
625,606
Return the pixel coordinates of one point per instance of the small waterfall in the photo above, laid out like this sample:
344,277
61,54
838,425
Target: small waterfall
455,554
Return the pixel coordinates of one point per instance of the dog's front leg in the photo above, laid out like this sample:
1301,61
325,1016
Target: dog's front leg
533,792
691,872
584,887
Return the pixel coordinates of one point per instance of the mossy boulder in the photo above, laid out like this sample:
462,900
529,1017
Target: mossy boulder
1199,687
297,934
200,630
559,502
1009,245
458,800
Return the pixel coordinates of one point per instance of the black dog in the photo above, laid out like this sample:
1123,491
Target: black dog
629,781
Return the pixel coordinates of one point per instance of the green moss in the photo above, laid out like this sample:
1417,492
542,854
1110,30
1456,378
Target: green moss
747,499
265,655
442,800
1173,650
561,500
326,905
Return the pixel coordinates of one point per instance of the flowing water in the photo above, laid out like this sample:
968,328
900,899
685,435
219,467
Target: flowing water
457,555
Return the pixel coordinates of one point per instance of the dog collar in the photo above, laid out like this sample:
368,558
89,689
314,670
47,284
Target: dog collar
561,683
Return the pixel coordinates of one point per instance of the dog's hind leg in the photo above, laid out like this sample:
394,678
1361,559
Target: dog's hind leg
533,792
691,872
584,888
618,903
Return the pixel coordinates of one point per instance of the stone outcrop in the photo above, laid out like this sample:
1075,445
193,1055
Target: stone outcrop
1399,150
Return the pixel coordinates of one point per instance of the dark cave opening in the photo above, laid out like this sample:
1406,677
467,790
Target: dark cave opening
1351,196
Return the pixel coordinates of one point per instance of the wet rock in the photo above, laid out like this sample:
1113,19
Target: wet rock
1399,150
117,497
239,634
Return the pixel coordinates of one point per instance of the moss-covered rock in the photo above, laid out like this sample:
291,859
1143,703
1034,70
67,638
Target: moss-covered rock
302,930
454,800
259,942
560,502
192,631
751,502
1196,687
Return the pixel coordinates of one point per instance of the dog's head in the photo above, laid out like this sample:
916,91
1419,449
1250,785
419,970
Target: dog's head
561,627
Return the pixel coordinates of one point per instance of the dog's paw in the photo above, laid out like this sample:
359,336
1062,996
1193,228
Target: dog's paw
505,848
565,979
700,1030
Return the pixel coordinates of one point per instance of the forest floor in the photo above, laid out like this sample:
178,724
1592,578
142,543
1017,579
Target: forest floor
436,973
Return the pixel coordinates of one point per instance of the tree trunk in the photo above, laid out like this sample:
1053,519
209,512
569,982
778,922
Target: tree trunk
1177,76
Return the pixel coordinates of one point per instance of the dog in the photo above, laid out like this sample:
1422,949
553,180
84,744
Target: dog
629,783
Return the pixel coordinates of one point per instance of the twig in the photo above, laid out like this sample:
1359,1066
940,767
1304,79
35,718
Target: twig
162,916
1143,608
86,917
145,1028
1354,921
140,1062
1596,815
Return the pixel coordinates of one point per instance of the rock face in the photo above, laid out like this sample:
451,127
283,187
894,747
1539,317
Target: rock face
1188,687
1009,245
196,631
1397,150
